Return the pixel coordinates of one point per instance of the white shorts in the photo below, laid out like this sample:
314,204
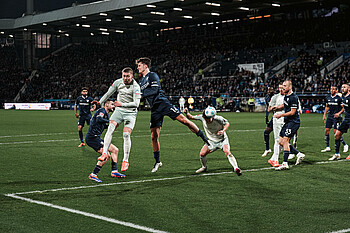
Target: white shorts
277,126
217,145
129,118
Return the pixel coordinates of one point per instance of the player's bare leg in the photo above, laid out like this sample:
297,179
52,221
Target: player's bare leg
156,147
193,127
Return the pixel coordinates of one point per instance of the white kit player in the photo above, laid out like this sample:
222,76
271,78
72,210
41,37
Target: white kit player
182,102
276,100
215,127
128,100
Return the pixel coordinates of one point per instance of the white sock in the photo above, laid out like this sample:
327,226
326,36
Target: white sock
276,151
127,146
203,161
107,140
232,161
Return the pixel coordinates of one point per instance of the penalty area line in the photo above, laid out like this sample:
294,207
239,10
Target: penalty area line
111,220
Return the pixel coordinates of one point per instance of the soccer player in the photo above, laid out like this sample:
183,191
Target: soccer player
128,100
334,108
344,126
215,128
291,124
276,100
98,123
182,102
160,107
269,124
85,110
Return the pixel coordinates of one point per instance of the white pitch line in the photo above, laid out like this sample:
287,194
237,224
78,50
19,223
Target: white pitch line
158,179
112,220
341,231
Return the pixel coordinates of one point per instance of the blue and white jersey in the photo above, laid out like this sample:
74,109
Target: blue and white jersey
334,103
291,101
346,104
98,123
84,105
151,89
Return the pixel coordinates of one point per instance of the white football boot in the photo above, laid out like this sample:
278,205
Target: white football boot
334,157
202,169
300,157
266,152
346,148
156,166
283,166
328,149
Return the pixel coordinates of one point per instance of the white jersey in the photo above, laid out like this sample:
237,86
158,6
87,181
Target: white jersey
128,95
212,129
277,100
182,101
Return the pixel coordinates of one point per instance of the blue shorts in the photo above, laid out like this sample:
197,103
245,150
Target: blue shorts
270,124
289,129
94,142
333,122
165,108
84,118
344,126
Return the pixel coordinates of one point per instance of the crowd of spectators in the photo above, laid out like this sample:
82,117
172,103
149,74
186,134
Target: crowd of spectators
180,63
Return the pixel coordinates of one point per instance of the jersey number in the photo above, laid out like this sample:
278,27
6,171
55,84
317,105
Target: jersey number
288,131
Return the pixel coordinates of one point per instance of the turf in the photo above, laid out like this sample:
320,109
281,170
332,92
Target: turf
39,152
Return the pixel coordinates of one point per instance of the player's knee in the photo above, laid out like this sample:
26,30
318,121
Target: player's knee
154,136
267,131
126,135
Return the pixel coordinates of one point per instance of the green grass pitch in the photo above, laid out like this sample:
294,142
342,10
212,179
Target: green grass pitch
39,152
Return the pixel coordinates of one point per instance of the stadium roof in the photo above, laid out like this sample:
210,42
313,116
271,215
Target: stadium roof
124,16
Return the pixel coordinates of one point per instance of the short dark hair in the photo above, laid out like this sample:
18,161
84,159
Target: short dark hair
85,88
144,60
127,70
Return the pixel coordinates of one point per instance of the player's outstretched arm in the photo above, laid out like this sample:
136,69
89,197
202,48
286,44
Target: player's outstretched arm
109,93
188,114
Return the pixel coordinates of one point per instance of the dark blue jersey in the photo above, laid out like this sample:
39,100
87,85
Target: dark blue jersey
98,123
291,101
334,104
346,104
151,89
267,101
84,105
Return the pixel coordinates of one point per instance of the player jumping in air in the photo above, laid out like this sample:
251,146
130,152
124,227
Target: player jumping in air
334,108
160,107
98,123
345,125
85,110
291,124
128,100
215,128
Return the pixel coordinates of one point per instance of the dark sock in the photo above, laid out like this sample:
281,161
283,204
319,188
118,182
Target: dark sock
342,141
337,146
293,150
326,139
114,166
96,169
81,136
267,139
204,138
285,156
156,155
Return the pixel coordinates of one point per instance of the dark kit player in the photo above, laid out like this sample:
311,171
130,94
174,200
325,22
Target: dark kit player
93,139
334,109
160,107
85,110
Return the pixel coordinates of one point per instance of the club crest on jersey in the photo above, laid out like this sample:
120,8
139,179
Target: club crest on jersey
101,114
